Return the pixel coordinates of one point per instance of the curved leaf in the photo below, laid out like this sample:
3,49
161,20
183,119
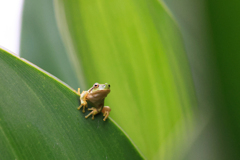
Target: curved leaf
41,43
136,47
39,119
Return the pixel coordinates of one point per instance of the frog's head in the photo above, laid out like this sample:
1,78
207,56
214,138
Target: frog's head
100,90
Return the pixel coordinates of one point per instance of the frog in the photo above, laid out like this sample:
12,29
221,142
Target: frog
95,96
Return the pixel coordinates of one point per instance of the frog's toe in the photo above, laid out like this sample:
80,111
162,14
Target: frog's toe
79,107
91,113
106,110
83,106
106,114
91,109
94,112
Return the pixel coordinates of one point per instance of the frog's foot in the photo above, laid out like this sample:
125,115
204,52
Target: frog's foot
94,112
106,110
84,105
78,91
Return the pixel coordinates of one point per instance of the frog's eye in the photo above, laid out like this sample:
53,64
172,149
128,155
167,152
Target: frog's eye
109,85
96,85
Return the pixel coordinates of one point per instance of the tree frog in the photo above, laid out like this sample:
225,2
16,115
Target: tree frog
95,96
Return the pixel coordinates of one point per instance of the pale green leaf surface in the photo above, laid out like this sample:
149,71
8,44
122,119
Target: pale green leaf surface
39,119
41,43
136,47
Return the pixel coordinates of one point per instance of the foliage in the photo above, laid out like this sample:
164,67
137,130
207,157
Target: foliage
39,119
137,48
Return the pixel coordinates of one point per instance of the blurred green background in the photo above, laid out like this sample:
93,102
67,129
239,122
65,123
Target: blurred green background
172,66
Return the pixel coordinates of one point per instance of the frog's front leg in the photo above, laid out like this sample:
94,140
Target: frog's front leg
94,112
106,110
83,100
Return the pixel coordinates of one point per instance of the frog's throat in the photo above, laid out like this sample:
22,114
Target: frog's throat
105,91
98,95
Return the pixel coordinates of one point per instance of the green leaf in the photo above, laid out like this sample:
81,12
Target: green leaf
224,27
136,47
39,119
41,43
192,19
